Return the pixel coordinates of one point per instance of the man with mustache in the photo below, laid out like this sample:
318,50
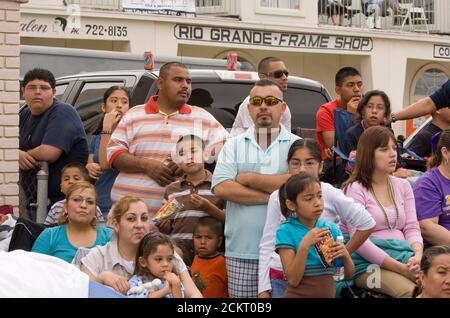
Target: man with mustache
262,149
141,146
49,130
274,69
349,88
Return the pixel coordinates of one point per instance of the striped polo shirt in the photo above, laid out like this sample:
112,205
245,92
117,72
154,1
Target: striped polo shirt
181,224
146,132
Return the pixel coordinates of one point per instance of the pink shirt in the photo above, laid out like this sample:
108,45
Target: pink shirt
407,227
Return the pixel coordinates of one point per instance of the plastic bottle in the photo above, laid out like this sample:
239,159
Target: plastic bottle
338,263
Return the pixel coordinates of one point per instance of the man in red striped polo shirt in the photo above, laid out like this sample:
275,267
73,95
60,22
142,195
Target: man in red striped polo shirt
141,146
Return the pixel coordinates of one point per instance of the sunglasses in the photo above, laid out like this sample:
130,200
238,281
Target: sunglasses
279,74
268,100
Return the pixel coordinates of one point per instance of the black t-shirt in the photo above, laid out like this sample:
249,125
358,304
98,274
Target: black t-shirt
351,138
421,143
59,126
441,97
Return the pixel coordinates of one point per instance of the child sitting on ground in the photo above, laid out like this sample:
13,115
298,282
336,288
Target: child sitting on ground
71,173
154,275
193,192
208,268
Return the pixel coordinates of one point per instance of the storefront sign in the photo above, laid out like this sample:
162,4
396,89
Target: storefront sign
61,26
273,39
166,7
442,51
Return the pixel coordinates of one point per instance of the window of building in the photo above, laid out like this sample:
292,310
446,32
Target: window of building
281,4
208,3
427,81
280,7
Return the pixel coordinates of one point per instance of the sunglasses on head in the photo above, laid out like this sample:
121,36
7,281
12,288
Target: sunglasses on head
279,73
268,100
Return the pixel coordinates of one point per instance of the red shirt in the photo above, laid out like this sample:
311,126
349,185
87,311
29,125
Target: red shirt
325,122
210,276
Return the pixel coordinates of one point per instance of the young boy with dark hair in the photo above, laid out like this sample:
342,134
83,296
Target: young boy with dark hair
185,250
208,268
193,191
71,173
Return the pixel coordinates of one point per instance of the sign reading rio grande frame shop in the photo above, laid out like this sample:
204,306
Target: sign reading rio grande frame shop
272,39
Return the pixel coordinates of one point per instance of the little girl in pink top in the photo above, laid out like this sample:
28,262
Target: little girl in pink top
396,244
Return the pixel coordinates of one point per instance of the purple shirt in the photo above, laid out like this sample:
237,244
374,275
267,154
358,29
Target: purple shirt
432,193
407,227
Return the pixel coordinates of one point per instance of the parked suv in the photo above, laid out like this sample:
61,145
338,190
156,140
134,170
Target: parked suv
219,92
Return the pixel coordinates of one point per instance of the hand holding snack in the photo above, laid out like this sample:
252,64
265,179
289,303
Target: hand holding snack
313,236
169,208
338,250
324,248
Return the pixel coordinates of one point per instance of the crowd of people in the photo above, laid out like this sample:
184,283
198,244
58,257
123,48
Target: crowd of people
137,214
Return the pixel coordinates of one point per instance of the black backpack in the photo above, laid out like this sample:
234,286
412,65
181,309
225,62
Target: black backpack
24,234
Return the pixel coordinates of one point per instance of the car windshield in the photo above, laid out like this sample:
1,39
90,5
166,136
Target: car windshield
303,103
217,95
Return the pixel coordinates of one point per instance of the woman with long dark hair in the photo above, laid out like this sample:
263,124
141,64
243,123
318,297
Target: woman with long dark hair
395,246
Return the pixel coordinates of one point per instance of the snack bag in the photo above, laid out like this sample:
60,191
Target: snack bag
169,208
323,248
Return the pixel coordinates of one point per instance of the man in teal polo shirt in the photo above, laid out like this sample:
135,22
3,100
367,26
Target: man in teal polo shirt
262,149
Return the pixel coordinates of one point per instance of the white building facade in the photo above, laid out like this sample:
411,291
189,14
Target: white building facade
407,61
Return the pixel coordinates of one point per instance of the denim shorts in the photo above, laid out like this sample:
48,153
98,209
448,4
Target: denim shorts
278,287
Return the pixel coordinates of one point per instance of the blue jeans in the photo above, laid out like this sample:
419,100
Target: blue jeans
278,287
97,290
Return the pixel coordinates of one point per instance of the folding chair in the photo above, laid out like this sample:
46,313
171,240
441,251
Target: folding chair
412,16
342,121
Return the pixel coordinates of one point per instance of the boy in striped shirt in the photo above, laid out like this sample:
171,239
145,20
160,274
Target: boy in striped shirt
193,191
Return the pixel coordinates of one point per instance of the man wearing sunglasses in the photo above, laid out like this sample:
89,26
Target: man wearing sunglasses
271,68
261,150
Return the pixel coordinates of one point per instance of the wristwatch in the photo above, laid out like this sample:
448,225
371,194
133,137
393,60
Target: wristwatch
393,119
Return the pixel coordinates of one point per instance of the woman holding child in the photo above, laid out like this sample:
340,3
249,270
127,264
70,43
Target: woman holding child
114,263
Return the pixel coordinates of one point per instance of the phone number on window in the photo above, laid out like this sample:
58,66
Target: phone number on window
106,30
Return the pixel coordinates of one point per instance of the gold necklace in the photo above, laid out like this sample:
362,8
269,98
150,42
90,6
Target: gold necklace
392,197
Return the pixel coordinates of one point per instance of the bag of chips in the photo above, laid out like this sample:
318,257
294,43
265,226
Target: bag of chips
169,208
323,248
